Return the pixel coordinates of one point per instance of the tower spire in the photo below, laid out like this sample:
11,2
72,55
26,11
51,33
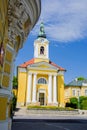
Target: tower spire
42,32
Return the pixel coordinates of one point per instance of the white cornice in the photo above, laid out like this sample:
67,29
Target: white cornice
21,69
84,84
5,92
61,73
37,66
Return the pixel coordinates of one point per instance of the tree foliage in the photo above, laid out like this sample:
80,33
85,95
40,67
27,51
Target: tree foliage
84,104
15,82
75,103
74,100
81,78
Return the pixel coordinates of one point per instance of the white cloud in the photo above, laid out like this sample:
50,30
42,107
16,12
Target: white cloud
65,20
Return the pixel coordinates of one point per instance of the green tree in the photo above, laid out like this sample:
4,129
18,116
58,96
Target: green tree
15,82
74,100
81,78
84,104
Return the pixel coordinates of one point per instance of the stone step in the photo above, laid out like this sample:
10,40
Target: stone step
56,112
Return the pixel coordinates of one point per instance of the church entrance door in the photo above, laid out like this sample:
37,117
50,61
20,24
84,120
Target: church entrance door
41,98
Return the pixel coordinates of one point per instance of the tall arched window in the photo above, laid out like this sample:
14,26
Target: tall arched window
41,50
42,81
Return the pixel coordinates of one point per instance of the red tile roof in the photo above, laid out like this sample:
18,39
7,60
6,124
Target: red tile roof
25,64
30,62
60,68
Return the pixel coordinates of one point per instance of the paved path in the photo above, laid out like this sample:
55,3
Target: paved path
24,121
21,113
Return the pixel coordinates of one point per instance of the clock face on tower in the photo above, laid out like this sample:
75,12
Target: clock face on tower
42,40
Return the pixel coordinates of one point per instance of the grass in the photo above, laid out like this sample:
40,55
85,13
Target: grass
49,108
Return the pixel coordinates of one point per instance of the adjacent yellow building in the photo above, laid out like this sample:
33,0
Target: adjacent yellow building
40,81
17,18
75,88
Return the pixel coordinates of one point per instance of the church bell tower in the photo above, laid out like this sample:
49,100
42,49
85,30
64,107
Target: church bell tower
41,46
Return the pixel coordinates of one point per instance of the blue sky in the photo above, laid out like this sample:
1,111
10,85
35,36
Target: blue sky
66,28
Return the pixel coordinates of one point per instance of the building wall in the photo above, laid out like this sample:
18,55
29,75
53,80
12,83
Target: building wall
15,92
22,88
13,33
61,90
3,107
68,92
5,69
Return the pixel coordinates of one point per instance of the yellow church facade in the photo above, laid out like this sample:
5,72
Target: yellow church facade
40,81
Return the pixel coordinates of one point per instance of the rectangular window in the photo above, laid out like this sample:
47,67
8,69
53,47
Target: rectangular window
85,92
78,93
73,92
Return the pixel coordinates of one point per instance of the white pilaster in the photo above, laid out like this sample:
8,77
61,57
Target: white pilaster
35,50
54,90
50,89
34,89
47,51
29,88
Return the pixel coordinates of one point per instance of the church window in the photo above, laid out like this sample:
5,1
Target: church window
42,81
41,50
85,92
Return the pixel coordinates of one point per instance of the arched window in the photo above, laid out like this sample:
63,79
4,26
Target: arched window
41,50
42,81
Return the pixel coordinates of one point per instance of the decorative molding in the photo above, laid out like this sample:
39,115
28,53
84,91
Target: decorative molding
5,92
22,70
36,66
61,73
10,49
22,16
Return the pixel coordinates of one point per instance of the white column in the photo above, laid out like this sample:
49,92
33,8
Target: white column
54,90
50,89
34,89
29,88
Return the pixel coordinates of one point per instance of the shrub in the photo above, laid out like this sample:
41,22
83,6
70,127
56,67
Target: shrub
74,102
14,100
48,108
84,104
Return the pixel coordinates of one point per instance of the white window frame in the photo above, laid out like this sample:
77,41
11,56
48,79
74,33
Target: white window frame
44,80
73,92
85,92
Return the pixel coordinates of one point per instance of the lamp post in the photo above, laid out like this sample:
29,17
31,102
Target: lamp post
78,99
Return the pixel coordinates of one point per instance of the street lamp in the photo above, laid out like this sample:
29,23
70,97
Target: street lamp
78,99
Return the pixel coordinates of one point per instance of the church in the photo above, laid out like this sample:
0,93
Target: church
40,81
